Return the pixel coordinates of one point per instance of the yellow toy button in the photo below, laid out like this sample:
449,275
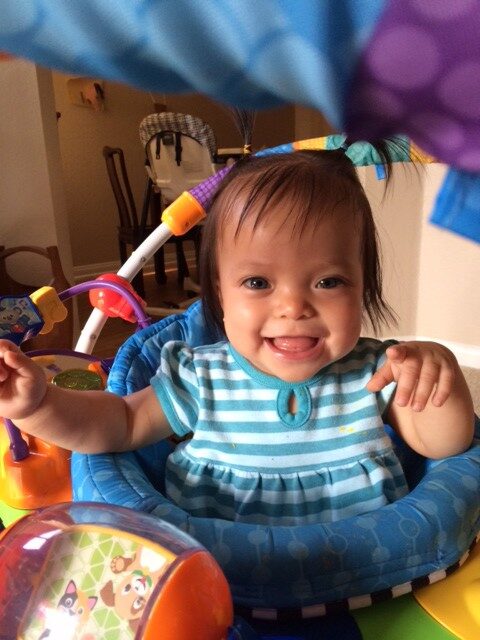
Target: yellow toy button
50,306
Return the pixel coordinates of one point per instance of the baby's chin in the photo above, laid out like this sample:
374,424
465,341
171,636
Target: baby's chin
296,377
292,374
293,371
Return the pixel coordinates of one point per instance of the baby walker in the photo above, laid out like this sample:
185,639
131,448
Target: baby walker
166,570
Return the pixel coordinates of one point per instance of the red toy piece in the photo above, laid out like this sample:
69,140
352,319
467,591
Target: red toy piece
111,303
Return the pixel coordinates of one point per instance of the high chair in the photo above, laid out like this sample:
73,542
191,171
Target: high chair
180,152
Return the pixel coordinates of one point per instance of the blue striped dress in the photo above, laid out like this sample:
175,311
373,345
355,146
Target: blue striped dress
251,460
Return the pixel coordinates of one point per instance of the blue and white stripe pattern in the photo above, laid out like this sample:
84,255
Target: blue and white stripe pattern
250,460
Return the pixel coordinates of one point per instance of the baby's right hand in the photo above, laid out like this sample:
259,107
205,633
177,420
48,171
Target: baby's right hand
22,383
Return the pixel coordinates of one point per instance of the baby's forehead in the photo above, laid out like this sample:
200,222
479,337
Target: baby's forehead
295,202
284,215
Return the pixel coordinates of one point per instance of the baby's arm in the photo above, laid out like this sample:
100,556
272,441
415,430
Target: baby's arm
432,409
85,421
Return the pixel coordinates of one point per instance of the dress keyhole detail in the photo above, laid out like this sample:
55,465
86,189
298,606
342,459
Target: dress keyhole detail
294,405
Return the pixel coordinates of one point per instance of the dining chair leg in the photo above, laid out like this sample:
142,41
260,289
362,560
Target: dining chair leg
182,266
138,284
122,250
159,262
197,241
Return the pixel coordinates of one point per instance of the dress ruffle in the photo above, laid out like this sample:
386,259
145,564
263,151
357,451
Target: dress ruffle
209,489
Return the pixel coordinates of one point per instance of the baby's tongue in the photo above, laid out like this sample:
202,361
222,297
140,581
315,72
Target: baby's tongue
294,343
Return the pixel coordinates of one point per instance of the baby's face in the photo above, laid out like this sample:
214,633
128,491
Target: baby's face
292,305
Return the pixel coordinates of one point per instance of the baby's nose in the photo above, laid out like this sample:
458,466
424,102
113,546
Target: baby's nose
293,305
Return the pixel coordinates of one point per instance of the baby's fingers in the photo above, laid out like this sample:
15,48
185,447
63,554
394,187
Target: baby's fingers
396,354
11,358
428,378
444,386
381,378
5,349
407,381
429,374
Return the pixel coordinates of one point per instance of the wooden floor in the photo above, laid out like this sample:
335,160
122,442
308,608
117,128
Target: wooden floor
116,331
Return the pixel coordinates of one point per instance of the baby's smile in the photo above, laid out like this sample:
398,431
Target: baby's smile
295,347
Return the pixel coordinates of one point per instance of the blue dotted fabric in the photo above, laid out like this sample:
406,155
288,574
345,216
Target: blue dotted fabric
248,53
285,567
373,68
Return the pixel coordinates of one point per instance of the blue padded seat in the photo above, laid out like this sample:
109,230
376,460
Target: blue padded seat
302,570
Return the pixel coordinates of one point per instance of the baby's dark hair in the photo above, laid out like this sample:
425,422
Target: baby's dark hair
319,184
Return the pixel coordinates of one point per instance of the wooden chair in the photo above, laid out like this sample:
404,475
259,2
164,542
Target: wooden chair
132,230
61,336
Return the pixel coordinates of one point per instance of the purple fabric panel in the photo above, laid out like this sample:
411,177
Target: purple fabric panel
420,75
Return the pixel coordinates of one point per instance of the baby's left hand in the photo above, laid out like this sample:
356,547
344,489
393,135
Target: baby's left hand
422,370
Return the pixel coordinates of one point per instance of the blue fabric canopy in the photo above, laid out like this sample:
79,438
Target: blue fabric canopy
250,53
374,68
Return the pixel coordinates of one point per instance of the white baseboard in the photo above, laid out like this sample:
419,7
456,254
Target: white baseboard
468,355
84,272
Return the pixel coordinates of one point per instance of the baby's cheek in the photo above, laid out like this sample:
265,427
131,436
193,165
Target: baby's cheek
242,313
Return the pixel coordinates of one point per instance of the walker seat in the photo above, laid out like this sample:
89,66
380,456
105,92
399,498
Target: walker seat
305,571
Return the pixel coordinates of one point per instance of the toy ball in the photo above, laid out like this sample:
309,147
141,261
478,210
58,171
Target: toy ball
85,571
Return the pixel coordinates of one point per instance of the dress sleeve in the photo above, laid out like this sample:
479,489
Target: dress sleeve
176,386
385,395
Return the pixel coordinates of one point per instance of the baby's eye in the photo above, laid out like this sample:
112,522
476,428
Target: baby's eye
255,283
329,283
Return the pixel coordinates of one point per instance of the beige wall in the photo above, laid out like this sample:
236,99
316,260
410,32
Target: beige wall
272,126
310,123
31,185
397,212
431,275
83,132
449,277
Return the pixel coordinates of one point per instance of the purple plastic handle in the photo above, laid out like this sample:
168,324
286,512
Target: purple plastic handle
204,191
142,319
18,446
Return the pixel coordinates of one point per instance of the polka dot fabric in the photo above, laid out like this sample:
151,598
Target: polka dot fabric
420,75
250,54
373,67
